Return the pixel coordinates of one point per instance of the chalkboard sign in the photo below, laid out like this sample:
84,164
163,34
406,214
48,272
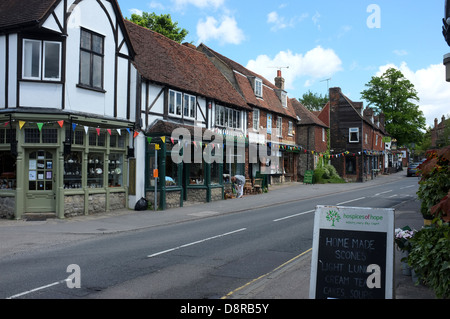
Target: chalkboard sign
352,253
309,177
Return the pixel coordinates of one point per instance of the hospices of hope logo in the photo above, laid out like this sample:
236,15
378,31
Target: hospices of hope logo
333,217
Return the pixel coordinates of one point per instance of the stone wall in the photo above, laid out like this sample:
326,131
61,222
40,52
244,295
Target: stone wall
196,195
216,194
73,206
97,204
172,198
7,207
117,201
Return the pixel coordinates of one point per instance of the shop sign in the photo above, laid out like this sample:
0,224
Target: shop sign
352,253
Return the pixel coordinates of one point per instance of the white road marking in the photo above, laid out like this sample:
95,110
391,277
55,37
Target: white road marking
196,243
384,193
37,289
350,201
296,215
408,187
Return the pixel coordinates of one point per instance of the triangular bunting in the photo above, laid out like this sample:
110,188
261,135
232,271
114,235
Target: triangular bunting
61,123
98,131
40,125
163,139
136,134
109,131
21,124
86,129
119,131
74,126
149,140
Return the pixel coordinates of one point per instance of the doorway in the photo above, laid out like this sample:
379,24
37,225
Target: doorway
40,185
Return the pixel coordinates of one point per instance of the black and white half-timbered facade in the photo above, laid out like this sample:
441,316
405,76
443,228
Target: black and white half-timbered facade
67,107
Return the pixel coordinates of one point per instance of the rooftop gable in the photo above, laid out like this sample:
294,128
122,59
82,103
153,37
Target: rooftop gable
166,62
306,116
24,13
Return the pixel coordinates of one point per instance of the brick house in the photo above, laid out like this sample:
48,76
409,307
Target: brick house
312,134
356,135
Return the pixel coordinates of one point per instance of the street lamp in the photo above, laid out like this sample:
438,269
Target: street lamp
446,33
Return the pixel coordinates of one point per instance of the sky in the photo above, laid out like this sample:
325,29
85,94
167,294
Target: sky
322,43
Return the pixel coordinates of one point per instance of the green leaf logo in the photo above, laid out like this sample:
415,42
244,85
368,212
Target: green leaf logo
333,216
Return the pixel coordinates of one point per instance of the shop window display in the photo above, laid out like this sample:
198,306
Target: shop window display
115,171
73,171
95,171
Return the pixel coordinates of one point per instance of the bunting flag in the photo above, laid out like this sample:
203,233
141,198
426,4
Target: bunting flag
109,131
40,125
61,123
171,139
119,131
21,124
128,130
163,139
7,123
74,126
86,129
149,140
136,134
98,131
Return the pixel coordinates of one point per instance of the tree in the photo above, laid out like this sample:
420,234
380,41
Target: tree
394,95
162,24
314,101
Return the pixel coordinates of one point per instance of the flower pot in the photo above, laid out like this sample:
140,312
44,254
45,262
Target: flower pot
406,270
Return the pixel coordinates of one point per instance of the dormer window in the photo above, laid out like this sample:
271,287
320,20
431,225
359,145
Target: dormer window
284,99
258,88
41,60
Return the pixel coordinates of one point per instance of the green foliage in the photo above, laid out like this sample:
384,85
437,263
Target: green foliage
393,95
430,257
325,174
162,24
435,182
314,101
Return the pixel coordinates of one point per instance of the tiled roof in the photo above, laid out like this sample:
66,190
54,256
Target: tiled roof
23,12
270,101
306,116
167,62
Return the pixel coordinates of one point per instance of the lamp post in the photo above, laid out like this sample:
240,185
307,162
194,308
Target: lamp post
446,33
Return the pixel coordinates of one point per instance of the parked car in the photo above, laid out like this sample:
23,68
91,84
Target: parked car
413,169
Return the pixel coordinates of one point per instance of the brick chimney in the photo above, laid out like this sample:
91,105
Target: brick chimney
279,81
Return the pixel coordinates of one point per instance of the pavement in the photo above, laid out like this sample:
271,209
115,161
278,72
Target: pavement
289,281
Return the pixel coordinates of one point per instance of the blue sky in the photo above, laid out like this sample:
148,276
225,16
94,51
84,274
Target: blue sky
346,41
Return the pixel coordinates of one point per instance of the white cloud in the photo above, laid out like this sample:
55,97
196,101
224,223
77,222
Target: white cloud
400,52
316,64
433,90
136,11
280,22
316,19
226,31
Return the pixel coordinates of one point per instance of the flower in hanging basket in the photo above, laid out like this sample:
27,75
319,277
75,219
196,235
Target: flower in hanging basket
402,238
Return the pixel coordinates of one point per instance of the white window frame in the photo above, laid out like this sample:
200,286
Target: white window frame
291,128
258,88
280,126
176,98
228,118
42,52
256,119
323,134
352,131
189,102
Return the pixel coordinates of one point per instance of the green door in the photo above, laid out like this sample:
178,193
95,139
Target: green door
40,187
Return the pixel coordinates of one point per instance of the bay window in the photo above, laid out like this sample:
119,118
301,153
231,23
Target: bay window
41,60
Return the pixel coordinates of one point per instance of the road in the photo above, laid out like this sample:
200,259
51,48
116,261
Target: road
201,259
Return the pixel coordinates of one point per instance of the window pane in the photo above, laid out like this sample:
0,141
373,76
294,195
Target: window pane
97,74
186,106
172,102
85,72
179,103
193,106
32,59
52,60
97,44
85,40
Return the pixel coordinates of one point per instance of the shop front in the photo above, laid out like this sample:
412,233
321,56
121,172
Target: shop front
62,165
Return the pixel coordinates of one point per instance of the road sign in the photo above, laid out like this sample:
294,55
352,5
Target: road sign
353,253
309,177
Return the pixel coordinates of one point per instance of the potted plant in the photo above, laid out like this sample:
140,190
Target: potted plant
402,240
